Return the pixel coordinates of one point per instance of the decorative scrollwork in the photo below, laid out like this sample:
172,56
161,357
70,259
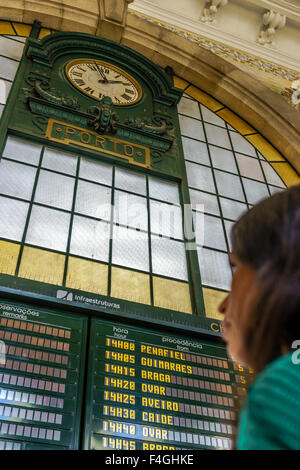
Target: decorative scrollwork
157,125
293,94
211,9
156,157
40,122
53,96
272,22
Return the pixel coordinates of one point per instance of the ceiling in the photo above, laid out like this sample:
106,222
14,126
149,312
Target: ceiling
261,37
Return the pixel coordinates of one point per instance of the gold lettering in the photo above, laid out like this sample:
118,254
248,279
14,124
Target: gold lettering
128,150
215,327
157,418
81,137
115,143
69,131
156,389
60,131
99,140
160,404
155,433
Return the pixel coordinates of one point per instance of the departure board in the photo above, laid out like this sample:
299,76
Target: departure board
40,377
153,391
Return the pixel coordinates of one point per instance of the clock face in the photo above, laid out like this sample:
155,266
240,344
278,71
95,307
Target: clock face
98,79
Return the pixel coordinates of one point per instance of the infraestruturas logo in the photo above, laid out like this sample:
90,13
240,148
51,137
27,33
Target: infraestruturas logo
71,297
64,295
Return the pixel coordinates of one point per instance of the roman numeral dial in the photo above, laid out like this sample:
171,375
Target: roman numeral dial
97,79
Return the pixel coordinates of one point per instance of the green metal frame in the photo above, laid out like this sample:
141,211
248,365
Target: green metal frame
47,57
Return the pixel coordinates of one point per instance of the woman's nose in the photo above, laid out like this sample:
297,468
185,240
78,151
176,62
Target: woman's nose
223,305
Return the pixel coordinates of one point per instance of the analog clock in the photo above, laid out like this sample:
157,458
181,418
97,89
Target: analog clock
97,79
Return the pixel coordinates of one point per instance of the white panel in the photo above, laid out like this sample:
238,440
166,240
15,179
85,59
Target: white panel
59,161
275,189
214,268
130,248
8,68
189,107
130,181
200,177
195,151
90,238
48,228
12,218
168,258
5,87
222,159
228,228
191,127
213,233
271,176
95,171
208,201
250,167
55,190
163,190
232,209
11,48
130,210
255,191
16,179
240,144
166,219
94,200
211,117
22,151
16,38
229,185
217,136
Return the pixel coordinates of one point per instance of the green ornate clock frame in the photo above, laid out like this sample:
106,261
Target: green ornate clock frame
44,107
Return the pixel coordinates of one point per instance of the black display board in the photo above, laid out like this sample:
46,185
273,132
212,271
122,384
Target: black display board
40,377
149,390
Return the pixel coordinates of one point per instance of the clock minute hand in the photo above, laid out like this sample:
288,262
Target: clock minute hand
101,73
113,81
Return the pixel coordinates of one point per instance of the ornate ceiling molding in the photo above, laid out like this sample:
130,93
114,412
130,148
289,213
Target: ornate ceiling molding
206,30
263,109
226,52
275,119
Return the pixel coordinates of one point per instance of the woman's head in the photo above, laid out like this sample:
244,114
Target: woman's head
262,311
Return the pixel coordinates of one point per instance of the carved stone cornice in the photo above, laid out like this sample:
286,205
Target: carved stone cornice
267,112
211,9
112,18
196,30
272,22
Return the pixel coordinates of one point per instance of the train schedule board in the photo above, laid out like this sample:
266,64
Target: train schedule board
40,377
149,390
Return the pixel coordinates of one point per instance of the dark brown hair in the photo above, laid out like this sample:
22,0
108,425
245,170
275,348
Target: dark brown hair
267,238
